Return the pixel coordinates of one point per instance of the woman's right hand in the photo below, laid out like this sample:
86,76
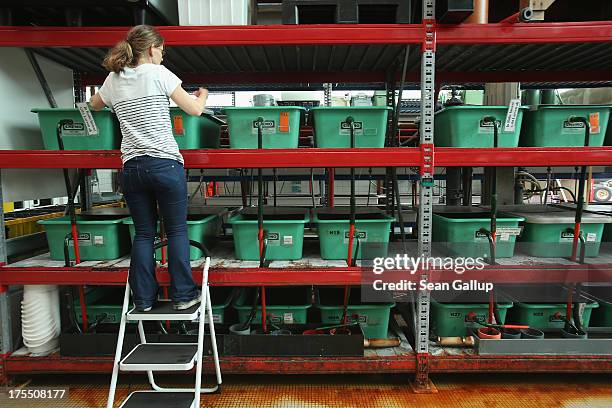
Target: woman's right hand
201,93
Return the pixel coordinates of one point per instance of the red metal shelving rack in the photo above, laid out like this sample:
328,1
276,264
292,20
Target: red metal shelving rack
577,52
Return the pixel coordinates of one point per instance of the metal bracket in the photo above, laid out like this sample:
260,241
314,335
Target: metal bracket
429,38
427,164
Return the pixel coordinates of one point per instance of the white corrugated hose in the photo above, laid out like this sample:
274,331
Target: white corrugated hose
40,318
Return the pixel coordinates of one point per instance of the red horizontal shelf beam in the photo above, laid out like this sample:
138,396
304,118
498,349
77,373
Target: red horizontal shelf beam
223,158
520,33
320,34
523,156
520,364
524,33
229,365
15,365
316,276
315,157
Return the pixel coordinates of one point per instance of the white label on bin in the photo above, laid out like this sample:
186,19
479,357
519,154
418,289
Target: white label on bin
273,239
84,240
480,235
508,231
345,128
573,127
288,318
591,237
88,119
98,240
74,129
287,240
487,127
363,319
513,110
267,126
361,235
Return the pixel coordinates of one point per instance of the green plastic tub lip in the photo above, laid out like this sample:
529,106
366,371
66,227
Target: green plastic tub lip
574,106
130,221
500,218
386,218
478,107
355,307
456,209
326,108
66,221
72,110
561,217
505,304
237,219
280,108
591,305
206,210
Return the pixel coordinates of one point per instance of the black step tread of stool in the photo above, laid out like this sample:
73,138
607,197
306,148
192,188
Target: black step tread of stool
152,399
160,353
164,307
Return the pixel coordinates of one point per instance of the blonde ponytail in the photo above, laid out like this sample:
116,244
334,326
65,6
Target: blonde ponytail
128,52
119,57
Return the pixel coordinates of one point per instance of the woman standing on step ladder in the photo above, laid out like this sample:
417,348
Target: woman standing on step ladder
137,89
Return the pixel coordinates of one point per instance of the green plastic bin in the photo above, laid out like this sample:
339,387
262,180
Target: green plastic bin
458,234
459,317
549,125
549,233
332,130
284,228
201,228
372,317
544,307
602,294
280,126
75,136
284,305
464,126
105,304
99,239
195,132
372,231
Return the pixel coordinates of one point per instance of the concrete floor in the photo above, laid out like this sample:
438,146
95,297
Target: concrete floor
379,391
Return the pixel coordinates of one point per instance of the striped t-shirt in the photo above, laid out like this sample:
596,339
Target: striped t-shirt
140,98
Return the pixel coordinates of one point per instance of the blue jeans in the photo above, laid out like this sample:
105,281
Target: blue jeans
148,182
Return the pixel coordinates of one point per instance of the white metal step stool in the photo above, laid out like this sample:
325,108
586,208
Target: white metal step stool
151,357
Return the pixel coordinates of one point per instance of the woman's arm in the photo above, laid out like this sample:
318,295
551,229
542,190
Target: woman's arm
187,103
96,102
